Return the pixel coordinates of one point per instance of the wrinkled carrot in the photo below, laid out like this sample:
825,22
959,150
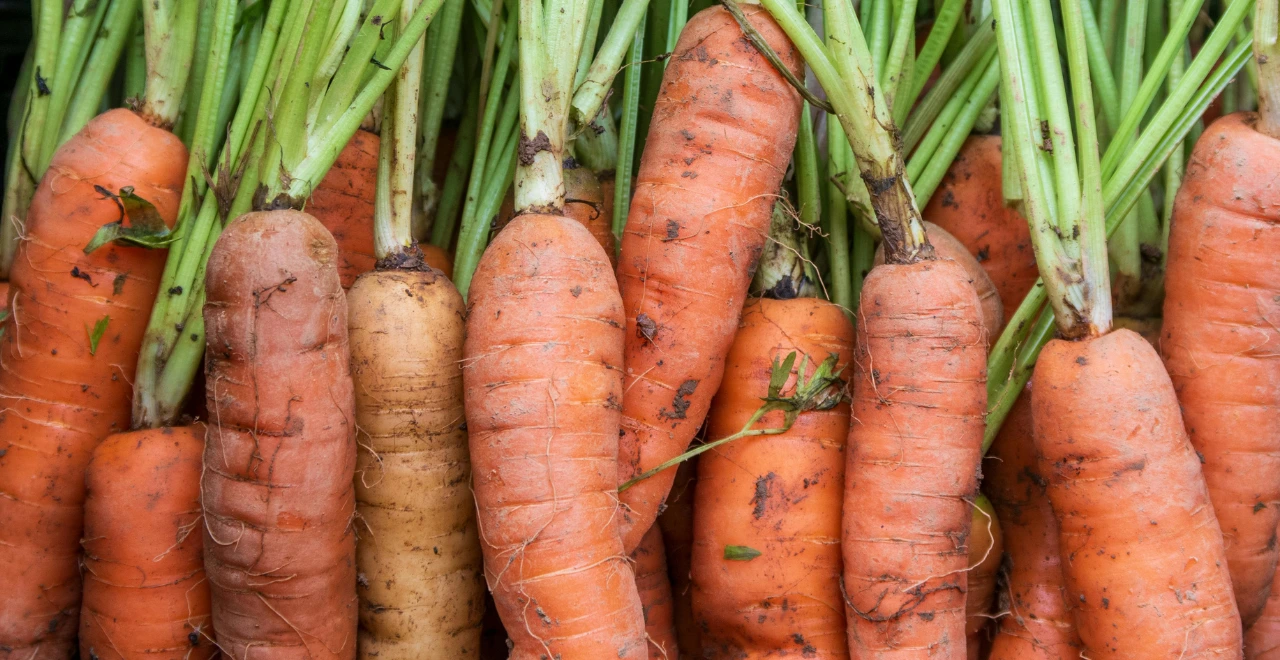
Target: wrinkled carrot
60,394
723,129
343,203
919,394
1036,623
986,547
145,592
777,495
676,521
419,581
1148,579
946,246
543,389
655,596
280,454
969,204
1221,340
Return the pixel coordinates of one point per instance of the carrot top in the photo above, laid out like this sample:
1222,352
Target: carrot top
1266,48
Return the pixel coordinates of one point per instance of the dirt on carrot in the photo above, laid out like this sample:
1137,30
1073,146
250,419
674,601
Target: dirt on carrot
67,358
722,133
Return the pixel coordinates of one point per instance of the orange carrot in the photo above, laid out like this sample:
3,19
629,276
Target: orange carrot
986,547
438,258
278,490
584,201
775,498
969,204
1147,579
723,129
543,387
1221,340
676,522
64,386
1037,624
343,203
145,591
1262,639
655,596
919,394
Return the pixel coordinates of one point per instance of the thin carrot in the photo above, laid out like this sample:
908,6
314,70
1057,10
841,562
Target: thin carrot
986,547
343,203
543,386
278,495
1221,339
1035,622
1262,639
655,596
766,552
676,522
969,204
65,384
145,591
696,226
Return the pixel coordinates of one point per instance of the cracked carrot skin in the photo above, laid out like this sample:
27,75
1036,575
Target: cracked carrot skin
542,376
919,397
723,129
969,203
1142,553
778,494
1037,624
676,522
655,596
278,491
59,397
419,581
145,592
1221,339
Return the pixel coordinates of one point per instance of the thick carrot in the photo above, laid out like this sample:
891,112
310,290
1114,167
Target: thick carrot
61,390
970,205
986,547
1221,340
1262,639
919,394
543,383
723,129
343,203
655,596
1147,579
420,586
278,495
1038,623
946,246
584,201
145,592
776,495
676,521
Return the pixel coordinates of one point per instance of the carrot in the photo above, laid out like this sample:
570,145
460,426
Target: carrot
63,385
970,205
655,595
766,553
1221,340
1149,578
1037,624
584,202
438,258
543,386
4,298
723,129
1262,639
986,547
280,453
947,246
419,578
919,394
676,522
145,590
343,203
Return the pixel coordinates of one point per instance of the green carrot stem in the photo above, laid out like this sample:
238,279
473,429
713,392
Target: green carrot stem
1266,45
96,76
455,180
978,49
171,27
837,224
442,49
896,67
1002,401
78,30
627,131
590,95
1124,248
135,64
597,147
945,19
47,17
1104,82
393,203
930,163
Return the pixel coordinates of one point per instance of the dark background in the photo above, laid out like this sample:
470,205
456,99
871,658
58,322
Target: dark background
15,33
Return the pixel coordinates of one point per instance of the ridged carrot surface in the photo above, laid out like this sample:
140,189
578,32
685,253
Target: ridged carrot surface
655,596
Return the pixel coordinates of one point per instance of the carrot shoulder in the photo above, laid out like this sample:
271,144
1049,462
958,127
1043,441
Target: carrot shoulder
919,394
779,495
722,133
542,379
1221,340
1142,554
145,591
60,394
280,454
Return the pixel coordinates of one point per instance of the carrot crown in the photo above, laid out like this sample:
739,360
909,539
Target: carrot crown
171,32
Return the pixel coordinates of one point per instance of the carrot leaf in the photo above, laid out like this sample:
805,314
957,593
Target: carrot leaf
95,334
740,553
146,228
